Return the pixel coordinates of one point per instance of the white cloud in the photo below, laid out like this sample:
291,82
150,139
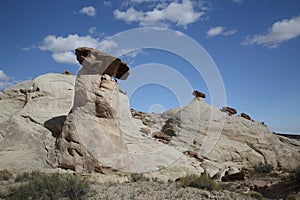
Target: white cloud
280,31
107,45
229,32
214,31
62,48
5,81
64,57
92,30
71,42
131,15
219,30
164,15
107,3
3,76
89,11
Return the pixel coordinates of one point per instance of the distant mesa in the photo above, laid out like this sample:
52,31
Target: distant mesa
102,62
196,93
229,110
244,115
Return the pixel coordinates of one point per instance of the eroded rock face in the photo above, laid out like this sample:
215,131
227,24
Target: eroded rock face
32,114
91,139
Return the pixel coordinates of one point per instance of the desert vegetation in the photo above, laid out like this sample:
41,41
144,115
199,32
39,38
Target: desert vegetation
262,169
39,185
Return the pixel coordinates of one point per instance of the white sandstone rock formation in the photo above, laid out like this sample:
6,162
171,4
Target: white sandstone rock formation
31,117
45,123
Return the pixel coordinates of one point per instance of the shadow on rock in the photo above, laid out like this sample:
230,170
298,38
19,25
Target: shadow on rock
279,190
55,125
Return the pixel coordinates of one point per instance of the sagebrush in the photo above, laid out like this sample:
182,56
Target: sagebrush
39,185
201,182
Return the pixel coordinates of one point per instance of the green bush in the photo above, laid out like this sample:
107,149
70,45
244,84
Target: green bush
201,182
50,186
263,168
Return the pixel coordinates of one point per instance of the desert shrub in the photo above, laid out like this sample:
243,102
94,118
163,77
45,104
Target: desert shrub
25,176
50,186
291,196
263,168
77,188
201,182
256,195
5,175
135,177
295,175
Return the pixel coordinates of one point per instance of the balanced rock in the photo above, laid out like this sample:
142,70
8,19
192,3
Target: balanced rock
101,63
244,115
229,110
91,139
100,133
196,93
66,72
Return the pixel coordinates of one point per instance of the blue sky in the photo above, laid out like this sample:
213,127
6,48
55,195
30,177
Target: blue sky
254,44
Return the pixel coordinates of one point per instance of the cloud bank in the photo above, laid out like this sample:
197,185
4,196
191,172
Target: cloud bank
163,15
62,48
281,31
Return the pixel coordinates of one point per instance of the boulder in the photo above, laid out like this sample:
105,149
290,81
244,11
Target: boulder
196,93
162,137
65,72
244,115
238,176
229,110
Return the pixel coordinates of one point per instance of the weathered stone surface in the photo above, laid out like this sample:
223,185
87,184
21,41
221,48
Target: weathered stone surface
91,139
196,93
25,140
38,131
162,137
101,63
